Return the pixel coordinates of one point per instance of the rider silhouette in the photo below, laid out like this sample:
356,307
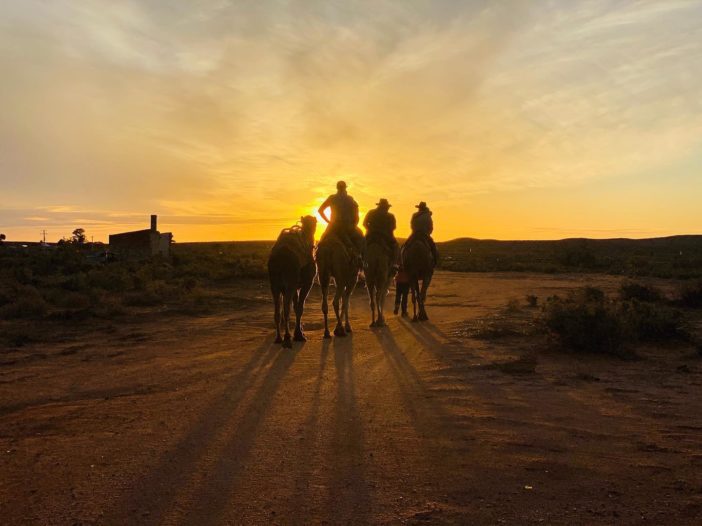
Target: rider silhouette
422,227
343,222
380,226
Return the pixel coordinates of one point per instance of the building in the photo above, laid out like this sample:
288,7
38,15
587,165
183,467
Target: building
142,244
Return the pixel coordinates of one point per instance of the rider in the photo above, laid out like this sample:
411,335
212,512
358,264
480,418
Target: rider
380,225
344,220
422,226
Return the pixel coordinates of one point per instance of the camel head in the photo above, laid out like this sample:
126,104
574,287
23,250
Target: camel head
309,226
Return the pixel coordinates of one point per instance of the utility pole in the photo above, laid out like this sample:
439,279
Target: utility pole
43,236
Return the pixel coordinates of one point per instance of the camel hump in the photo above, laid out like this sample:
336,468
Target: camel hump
294,240
420,239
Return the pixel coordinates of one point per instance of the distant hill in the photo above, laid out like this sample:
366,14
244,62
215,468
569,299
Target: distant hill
674,256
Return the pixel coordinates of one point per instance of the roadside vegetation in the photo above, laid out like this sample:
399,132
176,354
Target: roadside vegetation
678,257
69,285
587,320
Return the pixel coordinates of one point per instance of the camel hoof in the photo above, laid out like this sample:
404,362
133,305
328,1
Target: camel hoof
423,316
373,324
348,328
327,336
415,318
339,331
287,343
380,323
278,339
299,337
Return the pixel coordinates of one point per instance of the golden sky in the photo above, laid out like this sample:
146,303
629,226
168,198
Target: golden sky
513,120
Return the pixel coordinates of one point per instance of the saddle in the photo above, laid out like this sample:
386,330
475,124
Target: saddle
382,240
418,237
349,248
293,239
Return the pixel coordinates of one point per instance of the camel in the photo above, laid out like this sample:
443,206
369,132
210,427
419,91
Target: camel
336,261
291,269
418,262
378,276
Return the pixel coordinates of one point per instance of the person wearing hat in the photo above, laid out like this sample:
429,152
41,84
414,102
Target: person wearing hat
422,227
344,219
380,226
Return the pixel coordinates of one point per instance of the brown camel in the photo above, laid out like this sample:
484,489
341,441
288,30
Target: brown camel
336,261
418,262
291,269
378,276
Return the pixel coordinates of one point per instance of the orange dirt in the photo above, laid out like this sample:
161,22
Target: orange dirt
203,420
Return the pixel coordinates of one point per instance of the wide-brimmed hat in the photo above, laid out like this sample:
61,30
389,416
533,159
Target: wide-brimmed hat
383,202
422,205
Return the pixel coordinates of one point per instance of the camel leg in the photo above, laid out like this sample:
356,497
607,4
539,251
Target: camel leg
276,316
423,297
324,282
299,309
371,300
347,306
415,294
380,300
338,305
287,302
298,305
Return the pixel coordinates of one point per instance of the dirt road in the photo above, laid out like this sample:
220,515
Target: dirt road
169,419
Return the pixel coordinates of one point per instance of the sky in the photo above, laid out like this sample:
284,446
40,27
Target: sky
512,119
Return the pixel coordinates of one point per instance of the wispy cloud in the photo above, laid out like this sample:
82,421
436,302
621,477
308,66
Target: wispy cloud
246,112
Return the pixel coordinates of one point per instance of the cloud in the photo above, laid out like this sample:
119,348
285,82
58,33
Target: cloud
248,111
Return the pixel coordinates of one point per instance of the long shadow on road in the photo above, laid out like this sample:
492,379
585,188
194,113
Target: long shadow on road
349,498
211,499
155,494
302,499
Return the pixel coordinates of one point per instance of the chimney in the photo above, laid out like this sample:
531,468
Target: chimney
154,221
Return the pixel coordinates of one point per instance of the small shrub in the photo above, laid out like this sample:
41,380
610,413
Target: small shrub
691,295
512,305
651,322
142,298
66,299
109,308
76,282
632,290
532,300
585,322
110,278
28,304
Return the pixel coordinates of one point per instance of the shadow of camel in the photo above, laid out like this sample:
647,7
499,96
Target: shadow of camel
211,498
349,492
417,399
153,496
306,454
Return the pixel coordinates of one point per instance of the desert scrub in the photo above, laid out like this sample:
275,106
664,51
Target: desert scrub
586,320
25,302
633,290
691,295
645,321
